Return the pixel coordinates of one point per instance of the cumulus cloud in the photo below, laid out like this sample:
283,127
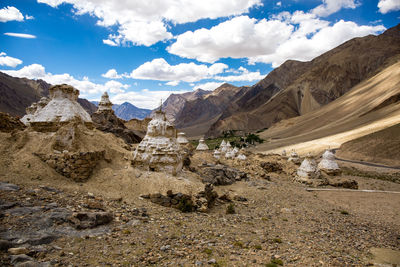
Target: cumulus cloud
146,22
9,61
332,6
145,98
386,6
10,13
159,69
85,86
112,74
172,83
237,38
244,75
209,86
20,35
300,36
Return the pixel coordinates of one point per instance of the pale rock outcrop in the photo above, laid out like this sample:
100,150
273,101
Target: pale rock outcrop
202,146
62,108
328,164
159,149
308,169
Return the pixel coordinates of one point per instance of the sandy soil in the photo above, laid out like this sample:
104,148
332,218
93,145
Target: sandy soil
279,221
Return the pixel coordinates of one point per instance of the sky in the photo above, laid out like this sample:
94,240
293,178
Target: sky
142,51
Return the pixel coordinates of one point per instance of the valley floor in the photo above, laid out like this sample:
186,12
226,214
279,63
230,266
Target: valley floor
278,223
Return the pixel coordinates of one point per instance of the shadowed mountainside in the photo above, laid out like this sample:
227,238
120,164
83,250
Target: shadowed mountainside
296,88
19,93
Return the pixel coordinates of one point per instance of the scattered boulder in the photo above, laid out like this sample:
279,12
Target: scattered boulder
220,174
85,220
344,183
271,166
8,187
294,157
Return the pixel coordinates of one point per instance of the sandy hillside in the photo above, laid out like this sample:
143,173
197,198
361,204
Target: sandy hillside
357,113
381,147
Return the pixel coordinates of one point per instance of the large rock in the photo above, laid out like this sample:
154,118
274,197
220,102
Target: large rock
85,220
220,174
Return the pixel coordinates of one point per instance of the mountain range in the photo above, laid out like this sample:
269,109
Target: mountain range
293,89
127,111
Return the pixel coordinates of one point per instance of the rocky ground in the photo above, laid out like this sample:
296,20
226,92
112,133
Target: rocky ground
273,220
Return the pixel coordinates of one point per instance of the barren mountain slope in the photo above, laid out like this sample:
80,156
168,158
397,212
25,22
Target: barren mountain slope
19,93
359,112
204,111
312,84
381,147
175,102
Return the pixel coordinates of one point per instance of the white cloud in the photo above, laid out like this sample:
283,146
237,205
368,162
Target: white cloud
236,38
245,75
146,22
27,17
85,86
279,3
386,6
20,35
112,74
208,86
300,36
145,98
10,13
9,61
332,6
172,83
159,69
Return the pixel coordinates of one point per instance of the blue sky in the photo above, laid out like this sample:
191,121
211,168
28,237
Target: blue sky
141,51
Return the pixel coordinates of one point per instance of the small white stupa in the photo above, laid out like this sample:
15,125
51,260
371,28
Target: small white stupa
308,169
294,157
159,149
328,163
283,154
217,154
241,157
182,140
105,103
63,107
202,146
223,147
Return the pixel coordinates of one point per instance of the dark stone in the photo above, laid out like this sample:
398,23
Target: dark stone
85,220
8,187
44,239
20,258
271,166
240,198
350,184
33,264
5,245
221,175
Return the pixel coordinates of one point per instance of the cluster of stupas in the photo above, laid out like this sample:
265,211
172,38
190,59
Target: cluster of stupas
159,150
309,169
62,107
226,150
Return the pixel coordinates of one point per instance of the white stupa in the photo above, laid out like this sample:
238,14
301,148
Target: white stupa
241,157
159,149
182,140
223,147
105,103
217,154
62,107
202,146
294,157
308,169
328,163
